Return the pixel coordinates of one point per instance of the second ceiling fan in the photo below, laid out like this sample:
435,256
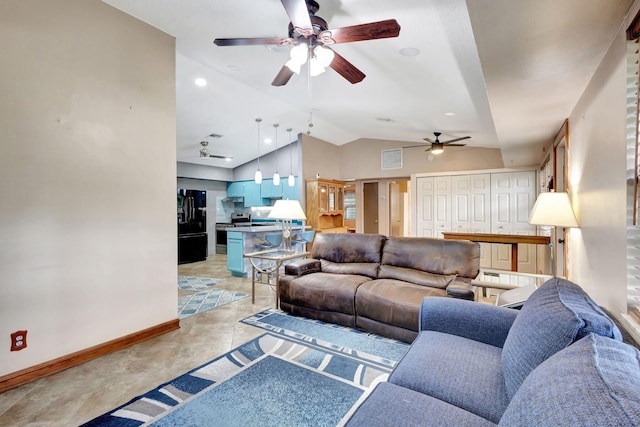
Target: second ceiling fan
437,146
310,38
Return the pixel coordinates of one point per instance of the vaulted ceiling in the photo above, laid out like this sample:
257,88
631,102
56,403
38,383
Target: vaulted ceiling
505,72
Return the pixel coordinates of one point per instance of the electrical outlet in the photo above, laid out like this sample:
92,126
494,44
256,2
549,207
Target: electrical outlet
18,340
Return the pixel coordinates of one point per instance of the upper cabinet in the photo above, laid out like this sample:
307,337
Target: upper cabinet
253,194
270,191
325,204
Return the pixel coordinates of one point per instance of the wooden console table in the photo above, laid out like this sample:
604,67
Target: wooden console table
512,239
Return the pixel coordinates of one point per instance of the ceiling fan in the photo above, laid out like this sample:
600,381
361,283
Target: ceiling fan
437,146
205,154
311,37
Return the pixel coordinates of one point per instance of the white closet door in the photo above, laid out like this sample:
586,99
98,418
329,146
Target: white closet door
512,197
442,215
425,207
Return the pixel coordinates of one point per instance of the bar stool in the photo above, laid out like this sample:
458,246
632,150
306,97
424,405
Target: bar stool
272,241
303,238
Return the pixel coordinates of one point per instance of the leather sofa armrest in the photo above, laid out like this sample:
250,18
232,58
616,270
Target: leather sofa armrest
461,288
303,266
473,320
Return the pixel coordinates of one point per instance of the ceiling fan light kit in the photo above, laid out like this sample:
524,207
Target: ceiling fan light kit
310,34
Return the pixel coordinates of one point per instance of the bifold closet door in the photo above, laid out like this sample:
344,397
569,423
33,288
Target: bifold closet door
512,197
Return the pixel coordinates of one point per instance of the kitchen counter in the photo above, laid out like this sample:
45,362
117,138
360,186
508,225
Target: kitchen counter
242,240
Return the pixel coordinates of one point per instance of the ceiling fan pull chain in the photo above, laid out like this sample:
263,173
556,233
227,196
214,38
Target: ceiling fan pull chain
310,125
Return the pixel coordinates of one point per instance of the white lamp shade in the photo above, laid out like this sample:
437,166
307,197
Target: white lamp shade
291,181
287,209
324,55
553,209
315,67
258,177
276,178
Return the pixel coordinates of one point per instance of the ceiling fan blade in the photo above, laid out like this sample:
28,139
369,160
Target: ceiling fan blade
283,76
416,146
346,69
254,41
456,139
215,156
429,140
454,145
298,14
356,33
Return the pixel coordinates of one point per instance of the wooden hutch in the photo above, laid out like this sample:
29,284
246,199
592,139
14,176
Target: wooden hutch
325,205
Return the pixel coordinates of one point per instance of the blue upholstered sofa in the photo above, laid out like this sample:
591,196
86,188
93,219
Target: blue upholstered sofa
560,361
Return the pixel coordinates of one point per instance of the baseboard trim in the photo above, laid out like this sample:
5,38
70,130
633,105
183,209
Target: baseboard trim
33,373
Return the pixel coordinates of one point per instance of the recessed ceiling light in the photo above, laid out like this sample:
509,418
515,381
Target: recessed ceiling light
234,68
228,159
450,114
267,141
200,82
409,51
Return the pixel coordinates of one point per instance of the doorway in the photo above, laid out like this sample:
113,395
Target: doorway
370,202
399,208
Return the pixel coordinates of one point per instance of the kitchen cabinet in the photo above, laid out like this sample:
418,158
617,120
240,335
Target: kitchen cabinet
325,204
252,194
235,189
270,191
290,193
235,257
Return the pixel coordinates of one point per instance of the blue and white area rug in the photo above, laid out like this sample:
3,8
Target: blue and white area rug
190,283
189,305
206,296
272,380
373,347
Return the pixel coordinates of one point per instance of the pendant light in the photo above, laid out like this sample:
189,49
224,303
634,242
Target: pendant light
258,176
276,176
291,180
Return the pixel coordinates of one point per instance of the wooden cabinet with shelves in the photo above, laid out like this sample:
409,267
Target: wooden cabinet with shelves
325,204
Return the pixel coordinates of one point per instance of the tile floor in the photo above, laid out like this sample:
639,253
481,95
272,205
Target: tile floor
79,394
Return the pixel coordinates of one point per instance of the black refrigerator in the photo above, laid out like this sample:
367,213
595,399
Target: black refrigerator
192,226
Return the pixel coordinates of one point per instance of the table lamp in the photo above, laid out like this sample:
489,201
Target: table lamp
554,210
287,211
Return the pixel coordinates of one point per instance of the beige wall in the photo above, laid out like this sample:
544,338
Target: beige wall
87,223
360,159
597,169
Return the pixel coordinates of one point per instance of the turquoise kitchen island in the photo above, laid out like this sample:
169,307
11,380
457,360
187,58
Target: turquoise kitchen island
243,240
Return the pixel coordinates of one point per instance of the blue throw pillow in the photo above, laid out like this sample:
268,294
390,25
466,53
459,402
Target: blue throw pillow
556,315
594,382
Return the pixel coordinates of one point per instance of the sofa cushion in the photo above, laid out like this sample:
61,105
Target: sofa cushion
368,269
448,257
390,405
393,302
418,277
322,291
457,370
348,247
594,382
555,315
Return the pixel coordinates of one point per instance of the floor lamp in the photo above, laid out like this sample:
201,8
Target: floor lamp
553,209
287,211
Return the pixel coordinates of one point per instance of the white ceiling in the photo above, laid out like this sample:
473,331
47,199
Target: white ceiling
510,70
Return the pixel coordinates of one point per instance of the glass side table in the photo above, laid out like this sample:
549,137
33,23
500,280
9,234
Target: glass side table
274,258
518,286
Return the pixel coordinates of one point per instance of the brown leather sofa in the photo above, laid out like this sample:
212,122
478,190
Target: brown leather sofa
376,283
